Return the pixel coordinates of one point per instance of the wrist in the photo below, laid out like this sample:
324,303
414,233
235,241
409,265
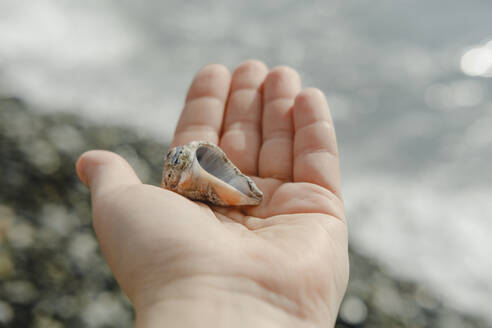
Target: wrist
217,301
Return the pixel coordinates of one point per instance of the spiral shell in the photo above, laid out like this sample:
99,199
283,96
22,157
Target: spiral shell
201,171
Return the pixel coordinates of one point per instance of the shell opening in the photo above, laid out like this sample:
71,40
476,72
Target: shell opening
213,161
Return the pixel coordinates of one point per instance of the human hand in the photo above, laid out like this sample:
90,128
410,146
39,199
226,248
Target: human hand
281,263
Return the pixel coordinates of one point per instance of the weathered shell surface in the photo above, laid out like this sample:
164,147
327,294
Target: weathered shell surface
201,171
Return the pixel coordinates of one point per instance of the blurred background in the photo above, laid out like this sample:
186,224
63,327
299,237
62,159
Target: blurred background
409,85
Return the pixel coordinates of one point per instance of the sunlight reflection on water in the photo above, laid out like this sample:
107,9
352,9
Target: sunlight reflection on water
478,61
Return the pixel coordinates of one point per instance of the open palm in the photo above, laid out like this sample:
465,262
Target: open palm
290,251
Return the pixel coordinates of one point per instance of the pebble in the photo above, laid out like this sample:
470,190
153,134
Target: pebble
106,310
21,235
6,312
20,291
6,265
353,310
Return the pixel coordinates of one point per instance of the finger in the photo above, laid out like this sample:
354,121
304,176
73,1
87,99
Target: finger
315,147
281,86
104,172
201,118
241,138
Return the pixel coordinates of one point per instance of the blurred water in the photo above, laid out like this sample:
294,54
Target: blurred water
407,82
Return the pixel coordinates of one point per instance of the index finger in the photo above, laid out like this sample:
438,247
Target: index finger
201,118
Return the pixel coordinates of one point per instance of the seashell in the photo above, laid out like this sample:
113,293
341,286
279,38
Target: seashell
201,171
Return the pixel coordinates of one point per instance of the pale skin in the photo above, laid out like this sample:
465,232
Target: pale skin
283,263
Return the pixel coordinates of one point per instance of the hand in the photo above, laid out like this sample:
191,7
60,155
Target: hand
283,262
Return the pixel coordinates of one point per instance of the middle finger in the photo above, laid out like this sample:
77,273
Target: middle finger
241,138
281,87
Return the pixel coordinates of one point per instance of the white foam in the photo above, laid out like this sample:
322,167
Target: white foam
440,237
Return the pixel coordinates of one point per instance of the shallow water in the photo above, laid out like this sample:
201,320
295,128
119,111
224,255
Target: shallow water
407,82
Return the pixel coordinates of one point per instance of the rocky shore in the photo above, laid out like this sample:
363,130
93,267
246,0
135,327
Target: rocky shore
52,273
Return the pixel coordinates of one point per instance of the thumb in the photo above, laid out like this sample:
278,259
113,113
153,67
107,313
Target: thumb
103,171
